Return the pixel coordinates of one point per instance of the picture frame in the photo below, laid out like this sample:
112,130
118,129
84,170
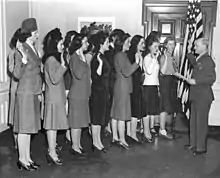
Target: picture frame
108,22
166,27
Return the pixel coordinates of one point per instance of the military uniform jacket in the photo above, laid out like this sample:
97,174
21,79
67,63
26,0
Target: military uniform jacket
29,74
204,75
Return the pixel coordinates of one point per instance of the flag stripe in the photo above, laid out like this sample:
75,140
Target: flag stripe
194,30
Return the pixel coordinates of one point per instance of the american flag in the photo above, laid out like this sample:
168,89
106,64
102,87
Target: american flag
194,30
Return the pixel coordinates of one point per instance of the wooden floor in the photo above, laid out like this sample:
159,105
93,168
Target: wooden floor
163,159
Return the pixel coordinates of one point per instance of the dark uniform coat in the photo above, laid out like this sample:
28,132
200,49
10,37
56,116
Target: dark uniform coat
99,100
13,86
201,97
27,105
79,93
121,109
55,96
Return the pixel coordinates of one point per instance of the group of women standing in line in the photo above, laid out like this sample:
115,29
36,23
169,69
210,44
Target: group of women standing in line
102,76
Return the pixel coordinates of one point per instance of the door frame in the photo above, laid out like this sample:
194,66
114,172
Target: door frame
162,7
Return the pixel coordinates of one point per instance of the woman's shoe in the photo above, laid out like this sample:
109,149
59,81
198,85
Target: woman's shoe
94,148
104,150
22,166
166,135
34,165
51,161
114,142
83,151
148,140
124,146
134,141
153,132
77,154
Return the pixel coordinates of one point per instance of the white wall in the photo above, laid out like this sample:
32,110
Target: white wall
214,118
64,14
11,15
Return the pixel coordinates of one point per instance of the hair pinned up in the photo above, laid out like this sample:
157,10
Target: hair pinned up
98,39
133,48
76,43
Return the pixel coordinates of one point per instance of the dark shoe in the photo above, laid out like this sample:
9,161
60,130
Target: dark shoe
51,161
199,153
127,147
189,147
154,132
77,154
83,151
166,135
114,142
134,141
35,165
147,140
22,166
104,150
94,148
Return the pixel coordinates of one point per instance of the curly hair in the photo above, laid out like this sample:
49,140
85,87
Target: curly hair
149,41
76,43
115,33
133,48
67,40
50,43
98,39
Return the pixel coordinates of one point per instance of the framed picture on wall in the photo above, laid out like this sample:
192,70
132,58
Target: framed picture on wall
104,23
166,27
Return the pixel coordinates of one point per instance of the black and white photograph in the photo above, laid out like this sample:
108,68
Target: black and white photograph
109,88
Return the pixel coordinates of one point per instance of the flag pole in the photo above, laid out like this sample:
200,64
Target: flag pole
182,59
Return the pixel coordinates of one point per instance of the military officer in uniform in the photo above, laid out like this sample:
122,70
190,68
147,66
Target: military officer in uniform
201,95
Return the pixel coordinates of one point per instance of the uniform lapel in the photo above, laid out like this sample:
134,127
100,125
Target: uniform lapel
30,51
202,57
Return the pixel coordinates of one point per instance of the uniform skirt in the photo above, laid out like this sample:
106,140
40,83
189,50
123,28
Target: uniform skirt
55,116
136,104
168,92
12,95
121,107
11,110
27,114
78,113
150,100
99,105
